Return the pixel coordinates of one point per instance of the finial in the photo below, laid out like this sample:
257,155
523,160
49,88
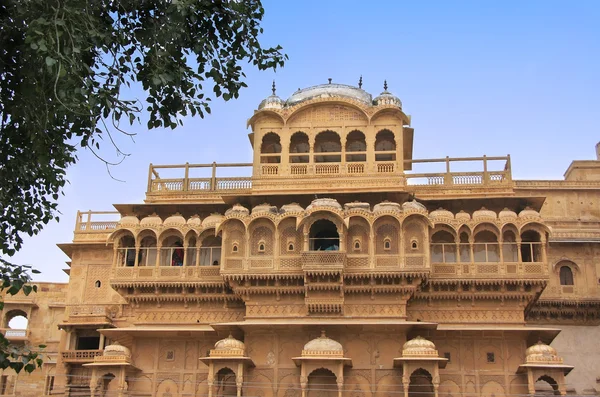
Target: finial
273,87
360,82
323,334
330,80
385,85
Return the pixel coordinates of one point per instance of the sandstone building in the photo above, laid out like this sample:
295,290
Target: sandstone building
338,266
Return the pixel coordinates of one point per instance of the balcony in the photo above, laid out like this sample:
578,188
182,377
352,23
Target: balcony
91,315
15,335
125,276
80,356
323,262
189,179
95,225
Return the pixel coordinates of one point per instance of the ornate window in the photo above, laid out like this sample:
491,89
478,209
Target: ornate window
356,147
328,147
210,251
261,246
485,247
414,244
443,247
98,284
270,149
235,247
298,146
566,275
531,247
387,243
385,146
356,245
290,246
324,236
491,357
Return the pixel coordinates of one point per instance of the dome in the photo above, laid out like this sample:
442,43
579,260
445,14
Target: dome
330,91
116,349
387,98
175,220
264,208
357,205
194,221
541,352
507,214
529,213
271,102
129,220
237,209
441,213
322,346
484,213
462,216
212,220
229,346
324,202
292,207
413,206
151,220
419,347
387,206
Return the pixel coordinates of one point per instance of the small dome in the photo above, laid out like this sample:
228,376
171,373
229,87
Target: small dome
194,221
175,220
264,208
387,98
462,216
212,220
441,213
529,213
230,343
151,220
322,344
419,347
484,214
129,220
357,205
271,102
413,206
292,207
324,202
330,91
387,206
507,214
542,353
237,209
116,349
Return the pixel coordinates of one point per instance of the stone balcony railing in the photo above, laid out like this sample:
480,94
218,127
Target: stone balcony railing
323,261
95,225
522,270
80,356
15,335
87,314
173,274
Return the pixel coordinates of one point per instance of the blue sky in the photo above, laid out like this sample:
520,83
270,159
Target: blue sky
477,77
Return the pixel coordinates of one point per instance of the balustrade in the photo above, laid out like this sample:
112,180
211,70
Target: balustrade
80,356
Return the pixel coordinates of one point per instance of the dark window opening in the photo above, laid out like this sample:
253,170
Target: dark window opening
324,236
170,355
88,343
566,276
98,284
491,358
328,142
291,247
299,144
447,356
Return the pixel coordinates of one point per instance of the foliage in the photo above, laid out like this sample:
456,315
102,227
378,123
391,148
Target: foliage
65,66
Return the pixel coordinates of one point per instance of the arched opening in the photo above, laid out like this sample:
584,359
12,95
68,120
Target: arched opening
299,145
210,251
509,247
270,149
225,383
443,247
546,386
16,319
356,147
485,248
531,246
385,146
324,236
126,251
322,383
566,275
106,386
172,252
328,142
421,384
387,236
148,251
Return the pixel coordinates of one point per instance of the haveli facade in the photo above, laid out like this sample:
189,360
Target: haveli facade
335,269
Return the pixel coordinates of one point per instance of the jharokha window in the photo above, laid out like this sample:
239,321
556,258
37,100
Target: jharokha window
299,148
566,275
328,148
270,149
324,236
385,146
356,147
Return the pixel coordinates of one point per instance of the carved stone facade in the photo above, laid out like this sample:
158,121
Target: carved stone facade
420,284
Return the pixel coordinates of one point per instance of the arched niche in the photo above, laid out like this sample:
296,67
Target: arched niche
385,146
356,147
299,148
270,149
328,147
322,382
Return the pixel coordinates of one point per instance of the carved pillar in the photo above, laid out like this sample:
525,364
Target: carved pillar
210,380
371,247
306,241
239,381
340,379
303,380
436,379
198,245
519,255
158,254
185,253
530,382
405,378
137,255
